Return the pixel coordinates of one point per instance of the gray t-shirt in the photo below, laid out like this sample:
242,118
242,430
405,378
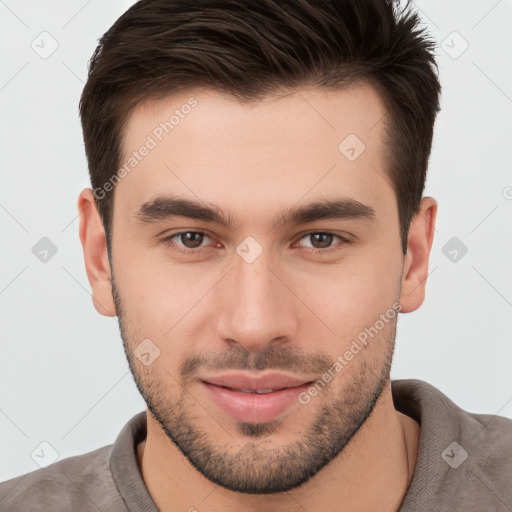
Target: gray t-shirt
464,463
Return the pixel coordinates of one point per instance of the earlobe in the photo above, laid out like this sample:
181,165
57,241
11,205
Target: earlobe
419,244
97,265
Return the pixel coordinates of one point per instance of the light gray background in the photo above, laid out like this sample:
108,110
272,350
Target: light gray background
63,374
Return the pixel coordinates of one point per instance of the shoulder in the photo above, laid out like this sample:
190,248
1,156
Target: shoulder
478,464
79,483
464,458
488,443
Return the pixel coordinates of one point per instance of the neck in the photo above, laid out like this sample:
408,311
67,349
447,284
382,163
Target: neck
372,472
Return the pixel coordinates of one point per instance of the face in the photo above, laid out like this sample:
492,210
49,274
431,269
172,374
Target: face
288,266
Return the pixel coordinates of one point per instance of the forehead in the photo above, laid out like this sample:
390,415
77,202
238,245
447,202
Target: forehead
205,145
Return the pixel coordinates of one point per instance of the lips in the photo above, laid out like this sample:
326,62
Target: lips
259,391
254,399
256,384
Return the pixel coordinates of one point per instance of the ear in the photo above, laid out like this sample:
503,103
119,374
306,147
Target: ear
419,243
94,244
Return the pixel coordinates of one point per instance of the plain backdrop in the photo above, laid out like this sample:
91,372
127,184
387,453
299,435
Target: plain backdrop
64,378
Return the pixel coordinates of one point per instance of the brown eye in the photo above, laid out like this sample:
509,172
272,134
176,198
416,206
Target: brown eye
321,240
191,239
186,241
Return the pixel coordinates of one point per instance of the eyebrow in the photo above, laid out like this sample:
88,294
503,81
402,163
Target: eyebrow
167,207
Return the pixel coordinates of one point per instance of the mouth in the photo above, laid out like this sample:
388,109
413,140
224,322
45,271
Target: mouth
257,391
253,401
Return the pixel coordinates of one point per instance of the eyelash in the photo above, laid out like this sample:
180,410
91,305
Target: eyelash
168,241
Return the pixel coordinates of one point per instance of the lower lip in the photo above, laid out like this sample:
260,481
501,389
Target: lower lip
253,407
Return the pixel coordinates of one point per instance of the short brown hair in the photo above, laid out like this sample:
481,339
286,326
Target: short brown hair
253,48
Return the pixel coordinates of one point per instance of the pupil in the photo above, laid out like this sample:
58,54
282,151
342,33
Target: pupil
191,240
325,240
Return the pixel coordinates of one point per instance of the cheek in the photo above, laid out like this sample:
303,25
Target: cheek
149,280
161,300
352,296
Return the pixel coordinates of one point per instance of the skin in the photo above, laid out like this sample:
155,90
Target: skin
253,161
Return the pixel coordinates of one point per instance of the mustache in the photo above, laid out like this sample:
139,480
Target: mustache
274,357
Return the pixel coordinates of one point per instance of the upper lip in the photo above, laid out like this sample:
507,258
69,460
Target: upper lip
252,382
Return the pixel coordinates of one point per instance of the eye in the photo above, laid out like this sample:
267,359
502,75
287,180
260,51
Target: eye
186,241
322,241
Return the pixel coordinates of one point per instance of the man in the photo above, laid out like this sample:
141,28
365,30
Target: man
257,224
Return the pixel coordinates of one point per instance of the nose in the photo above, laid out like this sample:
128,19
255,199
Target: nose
256,307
